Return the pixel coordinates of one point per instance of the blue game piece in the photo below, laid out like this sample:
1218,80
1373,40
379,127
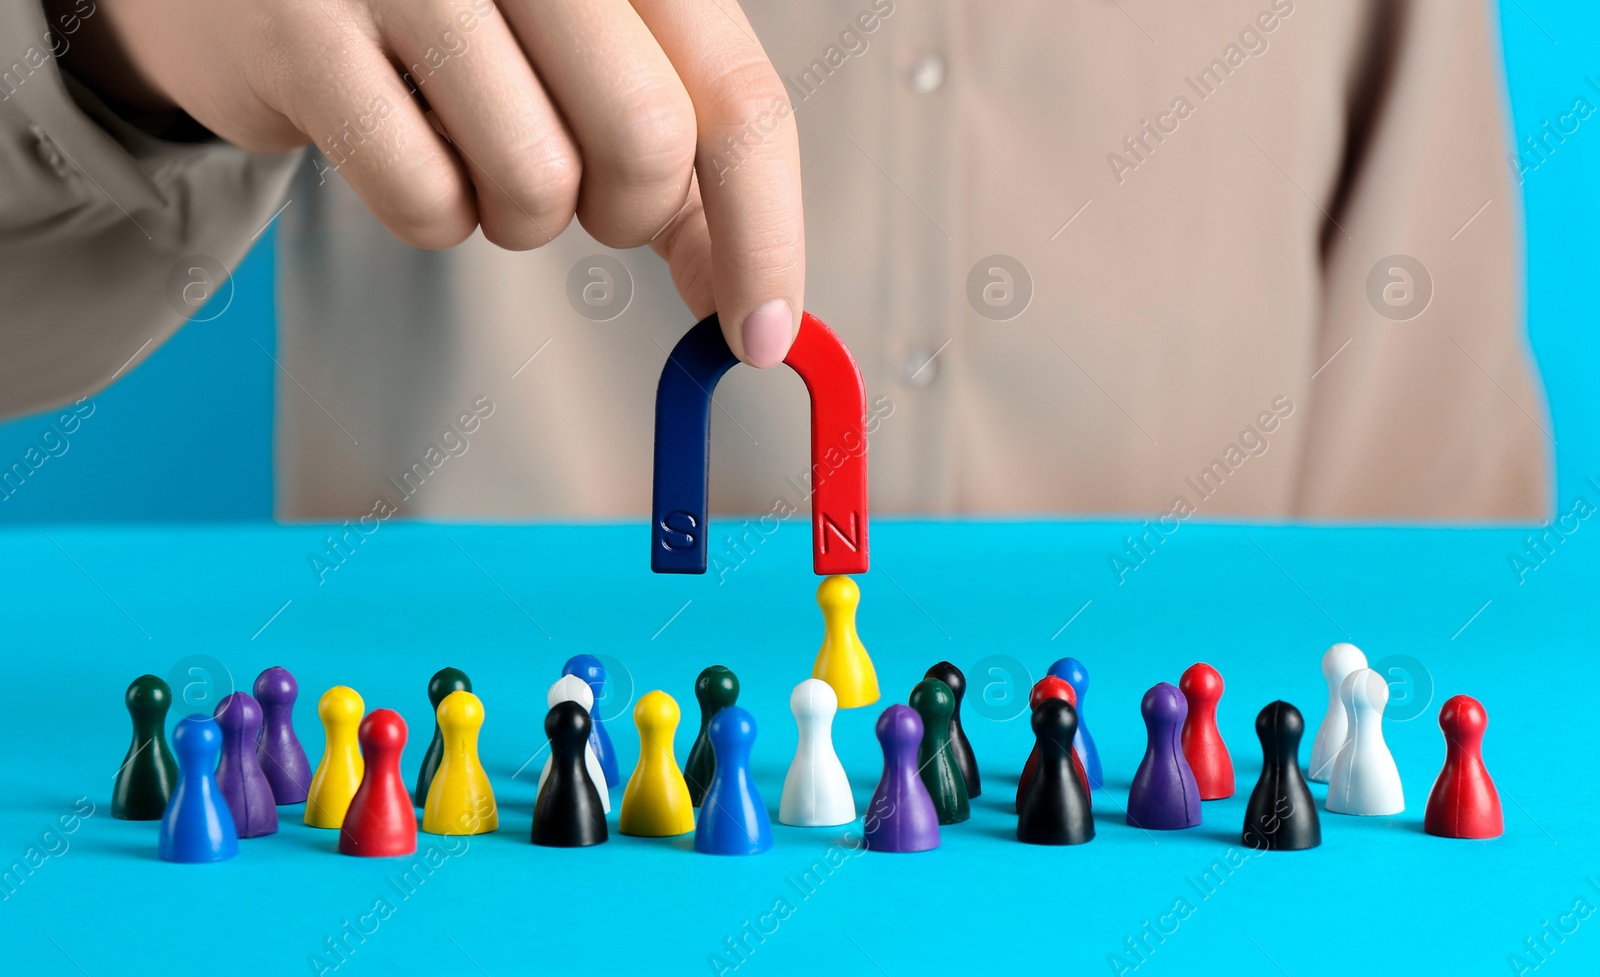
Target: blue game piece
683,448
197,827
733,820
1077,676
588,668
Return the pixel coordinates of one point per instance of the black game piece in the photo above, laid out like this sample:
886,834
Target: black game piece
1055,810
1281,816
444,682
960,748
568,812
716,689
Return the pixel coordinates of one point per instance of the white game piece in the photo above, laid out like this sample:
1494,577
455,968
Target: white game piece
1337,664
1364,779
816,792
571,688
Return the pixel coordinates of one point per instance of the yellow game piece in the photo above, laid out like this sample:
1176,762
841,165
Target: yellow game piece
339,773
460,801
843,661
656,802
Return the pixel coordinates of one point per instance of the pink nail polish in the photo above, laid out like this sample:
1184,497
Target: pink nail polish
767,333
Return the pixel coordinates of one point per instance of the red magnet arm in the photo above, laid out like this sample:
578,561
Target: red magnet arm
838,447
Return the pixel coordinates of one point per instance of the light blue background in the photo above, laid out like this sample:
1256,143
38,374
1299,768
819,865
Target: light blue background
1379,896
187,436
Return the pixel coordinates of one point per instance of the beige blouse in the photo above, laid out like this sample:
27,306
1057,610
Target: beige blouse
1243,257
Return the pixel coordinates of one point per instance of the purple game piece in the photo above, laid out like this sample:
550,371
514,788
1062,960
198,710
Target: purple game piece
1164,794
901,816
239,776
279,752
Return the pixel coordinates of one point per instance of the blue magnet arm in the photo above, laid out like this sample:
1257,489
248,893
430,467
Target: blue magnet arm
678,490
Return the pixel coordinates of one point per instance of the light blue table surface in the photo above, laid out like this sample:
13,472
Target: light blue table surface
87,610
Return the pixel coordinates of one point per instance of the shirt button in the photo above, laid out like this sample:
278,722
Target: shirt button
49,154
926,74
918,366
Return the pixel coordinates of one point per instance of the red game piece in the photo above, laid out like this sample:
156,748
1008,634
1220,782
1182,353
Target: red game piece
1202,741
380,821
1049,687
1463,802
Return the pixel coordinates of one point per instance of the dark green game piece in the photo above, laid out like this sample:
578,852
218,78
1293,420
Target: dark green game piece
717,688
149,772
444,682
934,702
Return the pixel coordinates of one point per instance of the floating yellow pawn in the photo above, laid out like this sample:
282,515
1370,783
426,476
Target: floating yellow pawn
656,802
339,773
460,801
843,661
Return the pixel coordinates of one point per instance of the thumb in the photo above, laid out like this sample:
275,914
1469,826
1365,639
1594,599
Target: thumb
685,244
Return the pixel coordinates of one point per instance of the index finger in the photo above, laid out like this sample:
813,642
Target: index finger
748,161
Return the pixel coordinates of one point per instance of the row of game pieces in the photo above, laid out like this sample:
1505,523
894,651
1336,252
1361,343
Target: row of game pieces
1186,761
247,759
1349,752
233,769
929,767
930,771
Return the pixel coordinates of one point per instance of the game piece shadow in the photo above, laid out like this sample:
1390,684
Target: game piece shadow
1217,832
997,802
130,849
324,840
1118,817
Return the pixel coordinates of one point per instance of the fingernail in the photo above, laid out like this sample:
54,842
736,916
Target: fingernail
767,332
